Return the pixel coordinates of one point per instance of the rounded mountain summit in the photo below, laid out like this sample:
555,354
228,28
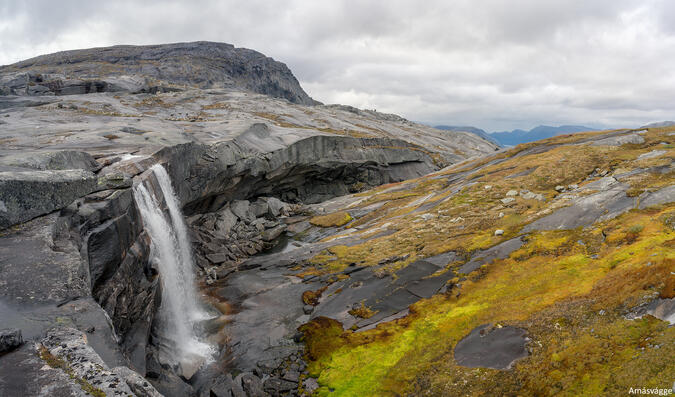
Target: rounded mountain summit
152,68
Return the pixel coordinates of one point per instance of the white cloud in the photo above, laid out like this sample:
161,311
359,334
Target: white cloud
493,64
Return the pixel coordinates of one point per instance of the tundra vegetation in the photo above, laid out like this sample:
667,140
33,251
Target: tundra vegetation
577,292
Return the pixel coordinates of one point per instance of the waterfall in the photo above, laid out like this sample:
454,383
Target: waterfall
171,252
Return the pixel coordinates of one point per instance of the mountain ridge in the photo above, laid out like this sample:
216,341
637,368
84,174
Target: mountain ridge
200,64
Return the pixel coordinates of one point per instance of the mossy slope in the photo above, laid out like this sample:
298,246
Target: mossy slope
572,290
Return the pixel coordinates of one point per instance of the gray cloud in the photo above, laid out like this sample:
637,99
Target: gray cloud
494,64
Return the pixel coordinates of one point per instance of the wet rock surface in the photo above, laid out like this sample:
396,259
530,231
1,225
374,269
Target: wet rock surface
491,347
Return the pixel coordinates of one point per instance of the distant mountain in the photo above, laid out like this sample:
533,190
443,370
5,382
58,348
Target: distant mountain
473,130
659,124
516,137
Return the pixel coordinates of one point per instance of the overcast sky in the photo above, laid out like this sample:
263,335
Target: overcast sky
492,64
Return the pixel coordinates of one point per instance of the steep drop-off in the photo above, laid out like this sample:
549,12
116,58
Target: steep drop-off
243,165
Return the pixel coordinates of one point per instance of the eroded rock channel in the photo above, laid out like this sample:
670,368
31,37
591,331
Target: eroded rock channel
103,268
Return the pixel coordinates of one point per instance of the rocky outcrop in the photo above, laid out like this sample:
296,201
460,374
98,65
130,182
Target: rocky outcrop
66,349
110,233
237,231
243,165
150,69
310,170
56,160
27,194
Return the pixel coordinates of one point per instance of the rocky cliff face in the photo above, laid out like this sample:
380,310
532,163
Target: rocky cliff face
152,68
244,166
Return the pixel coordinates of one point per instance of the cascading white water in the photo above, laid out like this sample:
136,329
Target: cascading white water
171,252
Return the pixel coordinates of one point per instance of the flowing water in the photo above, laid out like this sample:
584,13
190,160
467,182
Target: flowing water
171,253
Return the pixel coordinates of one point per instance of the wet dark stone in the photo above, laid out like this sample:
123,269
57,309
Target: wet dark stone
277,386
428,287
415,271
443,259
499,251
10,339
222,386
489,347
251,384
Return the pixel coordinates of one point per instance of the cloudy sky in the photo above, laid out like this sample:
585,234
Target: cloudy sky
494,64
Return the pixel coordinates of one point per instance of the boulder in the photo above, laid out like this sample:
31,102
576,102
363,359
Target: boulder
138,384
224,386
259,208
534,196
241,208
10,339
276,386
25,195
225,221
251,384
276,206
273,233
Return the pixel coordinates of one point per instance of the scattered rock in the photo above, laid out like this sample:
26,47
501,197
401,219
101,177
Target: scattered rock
276,386
651,155
620,140
291,376
310,385
507,200
224,386
499,232
267,366
512,193
534,196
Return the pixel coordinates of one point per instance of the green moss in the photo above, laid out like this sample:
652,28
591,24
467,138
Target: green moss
335,219
390,358
554,285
